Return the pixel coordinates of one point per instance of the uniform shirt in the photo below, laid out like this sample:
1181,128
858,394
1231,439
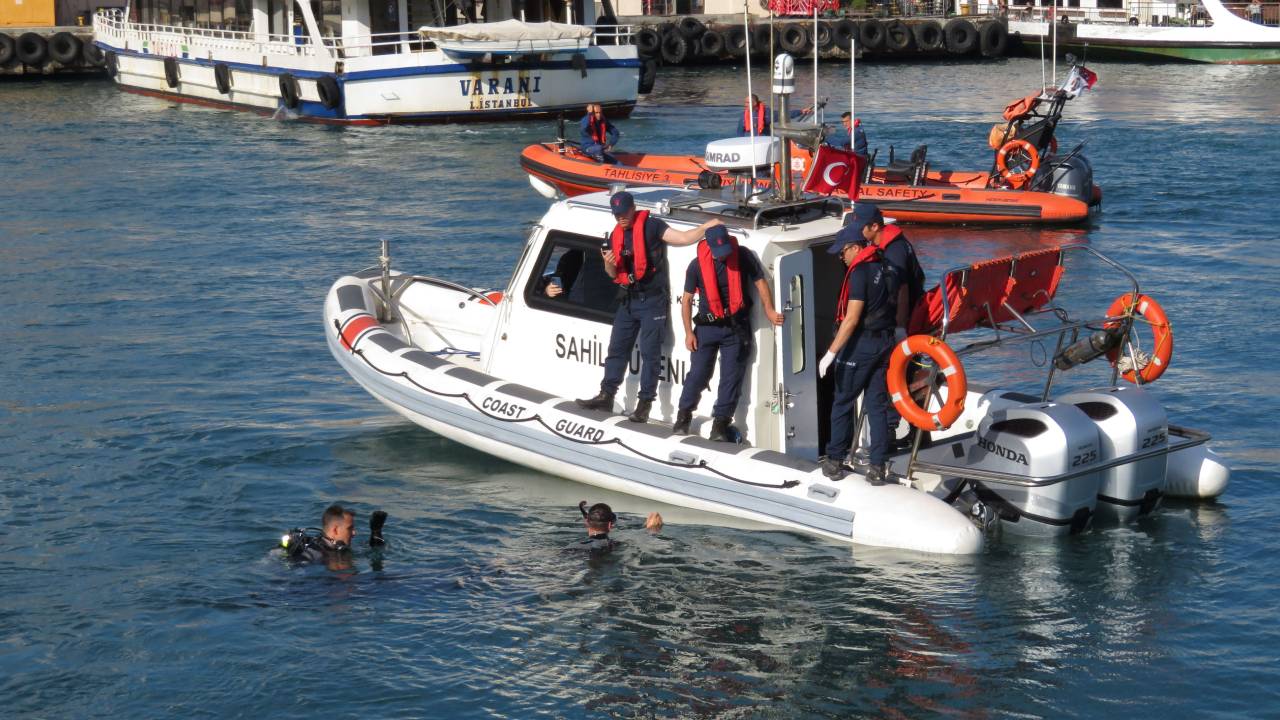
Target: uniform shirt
858,144
876,285
749,269
902,258
655,276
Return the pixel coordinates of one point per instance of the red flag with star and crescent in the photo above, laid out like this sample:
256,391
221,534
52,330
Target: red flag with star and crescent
833,170
802,7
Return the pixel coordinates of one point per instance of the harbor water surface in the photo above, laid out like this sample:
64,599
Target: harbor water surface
168,408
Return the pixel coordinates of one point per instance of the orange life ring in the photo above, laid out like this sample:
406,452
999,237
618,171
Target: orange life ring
1002,162
950,367
1150,311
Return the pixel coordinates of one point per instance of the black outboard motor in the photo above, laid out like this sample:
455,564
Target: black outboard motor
1072,176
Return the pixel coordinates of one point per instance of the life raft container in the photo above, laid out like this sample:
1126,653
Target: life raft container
948,364
1162,347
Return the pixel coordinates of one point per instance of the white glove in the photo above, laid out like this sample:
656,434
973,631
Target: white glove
899,334
825,363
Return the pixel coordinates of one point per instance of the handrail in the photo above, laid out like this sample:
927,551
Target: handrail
1191,438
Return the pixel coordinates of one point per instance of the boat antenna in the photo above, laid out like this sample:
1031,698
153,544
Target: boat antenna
853,64
1055,43
1044,81
815,63
751,126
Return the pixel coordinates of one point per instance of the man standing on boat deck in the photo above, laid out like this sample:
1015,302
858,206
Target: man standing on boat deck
756,116
720,275
856,139
598,135
637,261
866,313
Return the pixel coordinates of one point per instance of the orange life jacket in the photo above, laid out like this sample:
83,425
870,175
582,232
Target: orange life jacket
863,255
707,266
598,130
640,257
746,118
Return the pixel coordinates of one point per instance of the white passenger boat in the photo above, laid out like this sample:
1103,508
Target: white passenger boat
497,371
364,63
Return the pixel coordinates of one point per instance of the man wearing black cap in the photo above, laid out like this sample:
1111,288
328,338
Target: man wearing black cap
866,313
720,276
637,261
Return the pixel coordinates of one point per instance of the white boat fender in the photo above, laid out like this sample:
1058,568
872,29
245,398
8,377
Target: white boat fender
1196,473
544,188
361,325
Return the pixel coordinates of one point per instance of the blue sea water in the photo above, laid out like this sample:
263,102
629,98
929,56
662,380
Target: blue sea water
168,407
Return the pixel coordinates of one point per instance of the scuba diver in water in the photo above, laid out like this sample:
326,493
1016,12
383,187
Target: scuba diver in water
600,519
333,543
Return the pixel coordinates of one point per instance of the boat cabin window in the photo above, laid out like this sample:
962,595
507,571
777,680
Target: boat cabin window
795,298
574,264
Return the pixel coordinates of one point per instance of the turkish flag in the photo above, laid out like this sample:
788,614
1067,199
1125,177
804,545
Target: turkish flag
833,170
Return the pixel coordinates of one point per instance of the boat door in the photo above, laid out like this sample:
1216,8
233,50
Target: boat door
808,281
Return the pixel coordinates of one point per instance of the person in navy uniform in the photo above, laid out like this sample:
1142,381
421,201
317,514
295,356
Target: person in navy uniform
721,276
866,313
756,116
637,262
598,135
855,138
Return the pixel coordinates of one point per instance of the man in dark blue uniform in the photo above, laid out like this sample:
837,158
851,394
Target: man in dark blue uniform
866,313
720,275
637,262
855,137
598,135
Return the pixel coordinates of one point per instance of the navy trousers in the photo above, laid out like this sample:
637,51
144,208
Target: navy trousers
642,314
860,367
596,152
733,345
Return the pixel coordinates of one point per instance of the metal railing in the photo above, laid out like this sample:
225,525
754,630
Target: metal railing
1157,14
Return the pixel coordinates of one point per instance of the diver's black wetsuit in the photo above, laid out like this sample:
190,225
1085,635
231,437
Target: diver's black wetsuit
598,543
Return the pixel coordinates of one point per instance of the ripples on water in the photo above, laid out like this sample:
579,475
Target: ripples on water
170,407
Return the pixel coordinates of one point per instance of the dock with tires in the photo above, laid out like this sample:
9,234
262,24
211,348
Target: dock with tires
49,50
692,40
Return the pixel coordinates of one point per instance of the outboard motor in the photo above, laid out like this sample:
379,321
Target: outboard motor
1072,176
1129,421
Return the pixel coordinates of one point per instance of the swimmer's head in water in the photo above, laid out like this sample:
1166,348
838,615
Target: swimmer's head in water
599,516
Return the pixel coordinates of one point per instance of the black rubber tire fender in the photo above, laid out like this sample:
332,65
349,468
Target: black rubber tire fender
171,75
65,48
961,36
289,91
648,42
826,38
222,78
711,44
794,38
8,50
648,75
690,27
609,24
675,49
113,63
929,37
92,55
330,92
898,36
735,41
760,39
32,49
993,39
871,35
846,32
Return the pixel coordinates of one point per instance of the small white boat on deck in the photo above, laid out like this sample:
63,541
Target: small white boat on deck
497,370
363,63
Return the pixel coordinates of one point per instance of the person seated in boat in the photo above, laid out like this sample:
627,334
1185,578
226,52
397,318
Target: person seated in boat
598,135
756,116
866,312
333,544
600,519
855,138
637,262
721,276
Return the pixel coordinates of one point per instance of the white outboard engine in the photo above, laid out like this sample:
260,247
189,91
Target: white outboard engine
1038,440
1129,421
1072,177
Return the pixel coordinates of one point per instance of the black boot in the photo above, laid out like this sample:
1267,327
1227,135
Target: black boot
876,475
641,413
602,401
683,420
719,429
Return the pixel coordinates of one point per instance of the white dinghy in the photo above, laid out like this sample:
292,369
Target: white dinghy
498,371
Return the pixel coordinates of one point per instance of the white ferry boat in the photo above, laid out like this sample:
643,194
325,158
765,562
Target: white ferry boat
497,371
370,62
1204,31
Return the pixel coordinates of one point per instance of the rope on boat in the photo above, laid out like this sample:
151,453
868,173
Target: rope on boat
701,464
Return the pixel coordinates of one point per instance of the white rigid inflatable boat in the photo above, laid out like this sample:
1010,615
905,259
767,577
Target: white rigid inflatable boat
497,372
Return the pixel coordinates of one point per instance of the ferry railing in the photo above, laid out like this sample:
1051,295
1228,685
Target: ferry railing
1154,13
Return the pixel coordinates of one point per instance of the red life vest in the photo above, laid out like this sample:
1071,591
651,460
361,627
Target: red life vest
639,255
863,255
888,233
746,119
707,266
598,130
